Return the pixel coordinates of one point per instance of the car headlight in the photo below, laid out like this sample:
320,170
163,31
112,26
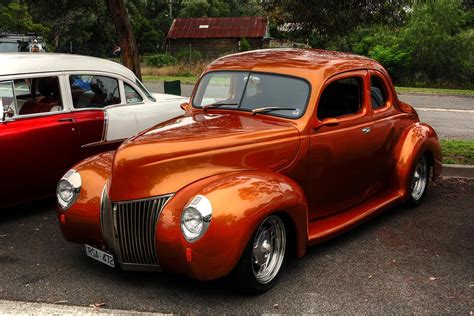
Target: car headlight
68,189
196,218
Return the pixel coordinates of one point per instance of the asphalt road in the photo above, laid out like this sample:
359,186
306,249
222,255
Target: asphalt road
404,261
451,116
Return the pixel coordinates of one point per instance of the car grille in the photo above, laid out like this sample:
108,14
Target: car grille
129,229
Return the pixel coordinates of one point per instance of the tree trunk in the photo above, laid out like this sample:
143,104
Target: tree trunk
127,42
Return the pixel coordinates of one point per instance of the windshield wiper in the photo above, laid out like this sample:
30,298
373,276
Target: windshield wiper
217,104
271,109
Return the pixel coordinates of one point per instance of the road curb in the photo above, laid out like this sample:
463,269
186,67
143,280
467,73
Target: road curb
31,308
458,171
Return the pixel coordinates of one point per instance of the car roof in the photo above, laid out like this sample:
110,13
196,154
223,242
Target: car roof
323,63
20,63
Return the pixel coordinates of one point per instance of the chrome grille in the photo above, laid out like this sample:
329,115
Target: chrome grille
129,229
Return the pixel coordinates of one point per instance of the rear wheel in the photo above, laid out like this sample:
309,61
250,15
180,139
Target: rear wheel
419,182
261,262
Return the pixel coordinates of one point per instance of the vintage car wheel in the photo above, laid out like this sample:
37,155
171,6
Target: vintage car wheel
419,183
261,262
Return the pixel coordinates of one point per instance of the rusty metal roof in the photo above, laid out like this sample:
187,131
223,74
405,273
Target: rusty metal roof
252,26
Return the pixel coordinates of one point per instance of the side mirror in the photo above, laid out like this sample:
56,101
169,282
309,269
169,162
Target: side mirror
330,121
186,107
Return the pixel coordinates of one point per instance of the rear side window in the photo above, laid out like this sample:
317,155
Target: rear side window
90,91
341,97
378,93
131,95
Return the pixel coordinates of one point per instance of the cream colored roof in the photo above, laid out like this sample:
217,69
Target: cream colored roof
19,63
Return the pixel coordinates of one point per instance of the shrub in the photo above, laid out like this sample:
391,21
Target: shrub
244,44
188,56
160,60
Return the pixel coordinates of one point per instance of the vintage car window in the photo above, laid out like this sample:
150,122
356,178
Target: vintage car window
251,91
38,95
131,95
91,91
377,92
144,90
341,97
7,97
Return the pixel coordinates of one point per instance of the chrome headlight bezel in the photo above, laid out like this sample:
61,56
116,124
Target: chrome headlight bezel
201,209
72,178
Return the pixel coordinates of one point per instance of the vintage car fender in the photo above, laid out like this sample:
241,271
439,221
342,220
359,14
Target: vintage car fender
416,140
81,223
240,201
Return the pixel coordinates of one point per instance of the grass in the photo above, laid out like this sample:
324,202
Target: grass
458,151
183,79
464,92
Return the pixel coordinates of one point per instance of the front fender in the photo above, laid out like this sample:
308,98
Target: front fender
415,141
81,223
240,201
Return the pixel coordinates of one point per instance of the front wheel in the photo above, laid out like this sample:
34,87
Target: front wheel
261,262
419,182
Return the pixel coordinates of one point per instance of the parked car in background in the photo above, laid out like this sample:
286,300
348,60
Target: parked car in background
59,109
21,42
278,150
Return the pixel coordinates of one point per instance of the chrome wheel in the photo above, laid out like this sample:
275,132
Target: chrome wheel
268,249
420,179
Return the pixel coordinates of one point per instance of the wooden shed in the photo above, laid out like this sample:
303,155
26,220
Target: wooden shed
214,37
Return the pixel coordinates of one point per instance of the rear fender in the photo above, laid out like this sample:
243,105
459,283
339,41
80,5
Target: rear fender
418,139
240,202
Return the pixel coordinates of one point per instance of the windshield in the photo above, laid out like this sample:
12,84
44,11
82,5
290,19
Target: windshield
248,91
144,90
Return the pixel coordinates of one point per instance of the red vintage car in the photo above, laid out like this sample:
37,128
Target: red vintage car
58,109
278,150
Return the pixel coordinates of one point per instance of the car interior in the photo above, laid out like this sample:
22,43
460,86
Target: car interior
93,91
38,95
377,92
342,97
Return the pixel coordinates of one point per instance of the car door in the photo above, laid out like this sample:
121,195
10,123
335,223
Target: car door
151,112
340,168
39,142
92,91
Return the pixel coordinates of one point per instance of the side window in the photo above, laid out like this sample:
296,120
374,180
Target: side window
378,92
38,95
131,95
341,97
90,91
7,98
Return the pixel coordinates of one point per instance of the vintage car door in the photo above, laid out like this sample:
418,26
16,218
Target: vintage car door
340,168
94,91
37,147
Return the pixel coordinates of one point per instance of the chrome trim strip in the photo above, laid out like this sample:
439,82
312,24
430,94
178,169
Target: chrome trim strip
95,144
106,126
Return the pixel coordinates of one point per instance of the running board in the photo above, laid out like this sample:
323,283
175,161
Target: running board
322,229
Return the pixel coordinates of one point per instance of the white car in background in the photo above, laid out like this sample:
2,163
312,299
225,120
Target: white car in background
59,109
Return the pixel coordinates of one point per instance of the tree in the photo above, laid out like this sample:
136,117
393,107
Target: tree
14,17
329,18
125,33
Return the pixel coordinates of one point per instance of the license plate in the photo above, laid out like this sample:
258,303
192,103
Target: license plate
100,256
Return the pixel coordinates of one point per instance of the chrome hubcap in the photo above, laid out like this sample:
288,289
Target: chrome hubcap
420,179
268,249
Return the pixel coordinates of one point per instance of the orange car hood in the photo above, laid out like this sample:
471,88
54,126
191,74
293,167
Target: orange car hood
185,149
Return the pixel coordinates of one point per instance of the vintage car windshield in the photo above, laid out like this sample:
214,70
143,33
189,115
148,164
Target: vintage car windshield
144,90
271,94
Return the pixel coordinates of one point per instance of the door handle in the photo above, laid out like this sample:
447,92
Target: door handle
366,130
67,119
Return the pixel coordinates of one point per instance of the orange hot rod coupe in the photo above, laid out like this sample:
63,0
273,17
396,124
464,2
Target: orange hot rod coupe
278,150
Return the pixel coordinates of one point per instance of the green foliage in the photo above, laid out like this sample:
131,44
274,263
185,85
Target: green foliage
160,60
15,18
244,45
188,56
195,9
